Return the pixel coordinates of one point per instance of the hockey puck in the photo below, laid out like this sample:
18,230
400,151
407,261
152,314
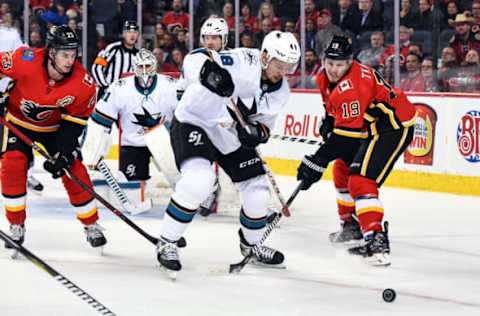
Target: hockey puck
389,295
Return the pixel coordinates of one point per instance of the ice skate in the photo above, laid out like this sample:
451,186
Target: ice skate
17,234
95,236
34,185
349,235
167,256
210,205
261,255
376,249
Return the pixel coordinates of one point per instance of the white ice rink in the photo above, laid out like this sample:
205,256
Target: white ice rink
435,262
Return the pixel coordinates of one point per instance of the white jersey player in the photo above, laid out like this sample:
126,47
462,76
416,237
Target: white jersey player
135,103
203,130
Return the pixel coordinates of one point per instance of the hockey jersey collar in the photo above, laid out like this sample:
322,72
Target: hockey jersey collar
146,91
268,87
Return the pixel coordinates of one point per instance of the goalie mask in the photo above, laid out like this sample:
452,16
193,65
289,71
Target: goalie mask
145,65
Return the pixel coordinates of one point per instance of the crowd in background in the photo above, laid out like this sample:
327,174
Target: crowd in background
439,39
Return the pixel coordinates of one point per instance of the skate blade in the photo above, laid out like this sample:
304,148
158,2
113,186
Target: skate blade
264,265
379,260
15,255
171,274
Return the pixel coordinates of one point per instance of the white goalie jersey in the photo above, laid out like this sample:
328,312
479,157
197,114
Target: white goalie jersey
201,107
133,109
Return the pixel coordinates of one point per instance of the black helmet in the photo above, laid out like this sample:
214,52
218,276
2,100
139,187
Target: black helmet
62,37
130,25
339,48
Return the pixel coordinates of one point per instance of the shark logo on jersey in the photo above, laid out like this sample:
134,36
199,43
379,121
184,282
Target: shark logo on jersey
250,58
35,112
147,120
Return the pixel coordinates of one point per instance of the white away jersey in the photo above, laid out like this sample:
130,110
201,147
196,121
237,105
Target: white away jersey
135,109
201,107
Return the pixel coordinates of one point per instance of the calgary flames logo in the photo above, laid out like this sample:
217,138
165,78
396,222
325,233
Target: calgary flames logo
35,112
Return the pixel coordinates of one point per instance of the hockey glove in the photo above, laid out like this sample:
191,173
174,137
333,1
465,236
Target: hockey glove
309,172
60,162
216,79
259,134
327,126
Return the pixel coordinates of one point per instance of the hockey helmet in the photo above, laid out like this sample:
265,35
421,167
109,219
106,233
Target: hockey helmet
282,46
215,26
62,37
130,25
339,48
145,66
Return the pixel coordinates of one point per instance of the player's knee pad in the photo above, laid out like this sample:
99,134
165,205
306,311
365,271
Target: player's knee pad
255,195
340,174
362,186
14,173
196,183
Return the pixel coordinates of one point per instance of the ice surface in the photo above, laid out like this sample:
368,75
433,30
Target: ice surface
435,262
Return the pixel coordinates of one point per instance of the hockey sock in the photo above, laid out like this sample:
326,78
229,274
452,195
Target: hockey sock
370,214
345,205
176,220
252,228
14,185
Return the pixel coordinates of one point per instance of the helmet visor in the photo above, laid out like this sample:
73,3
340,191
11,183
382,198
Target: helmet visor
281,66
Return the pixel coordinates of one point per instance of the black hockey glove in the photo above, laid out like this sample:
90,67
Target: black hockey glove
216,79
259,134
60,162
327,126
309,171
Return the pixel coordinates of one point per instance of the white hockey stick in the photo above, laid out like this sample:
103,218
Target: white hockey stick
119,194
270,176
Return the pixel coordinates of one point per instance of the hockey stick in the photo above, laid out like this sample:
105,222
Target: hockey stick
42,152
99,307
237,267
295,139
119,194
269,174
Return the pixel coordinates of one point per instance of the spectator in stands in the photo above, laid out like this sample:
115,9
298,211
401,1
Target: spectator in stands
231,34
176,59
127,10
413,79
386,61
45,4
161,65
182,40
246,40
325,32
429,75
467,77
346,16
289,25
408,16
466,36
266,12
451,12
229,15
426,14
168,44
371,56
310,34
448,68
371,20
310,12
476,11
312,67
35,40
160,30
415,48
266,27
176,17
251,22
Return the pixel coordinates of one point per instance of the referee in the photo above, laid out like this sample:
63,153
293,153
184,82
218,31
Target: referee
116,58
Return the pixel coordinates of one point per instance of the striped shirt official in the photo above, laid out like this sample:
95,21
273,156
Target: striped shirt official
112,62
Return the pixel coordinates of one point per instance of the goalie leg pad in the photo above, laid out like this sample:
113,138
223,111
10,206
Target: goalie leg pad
97,143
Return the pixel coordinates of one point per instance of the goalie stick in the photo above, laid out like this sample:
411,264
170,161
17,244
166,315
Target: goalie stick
75,289
269,174
237,267
119,194
181,242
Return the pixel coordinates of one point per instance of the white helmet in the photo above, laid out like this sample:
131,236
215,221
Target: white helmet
282,46
141,60
215,26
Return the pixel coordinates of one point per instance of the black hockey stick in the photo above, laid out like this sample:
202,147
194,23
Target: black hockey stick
181,242
269,174
294,139
237,267
99,307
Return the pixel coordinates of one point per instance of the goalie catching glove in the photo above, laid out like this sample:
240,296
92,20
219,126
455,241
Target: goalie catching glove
309,171
59,163
216,79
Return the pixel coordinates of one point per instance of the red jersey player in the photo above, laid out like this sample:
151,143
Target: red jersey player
372,126
50,103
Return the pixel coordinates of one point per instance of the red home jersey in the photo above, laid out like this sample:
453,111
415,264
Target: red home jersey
362,97
39,103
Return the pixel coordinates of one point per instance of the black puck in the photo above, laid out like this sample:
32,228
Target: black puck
389,295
